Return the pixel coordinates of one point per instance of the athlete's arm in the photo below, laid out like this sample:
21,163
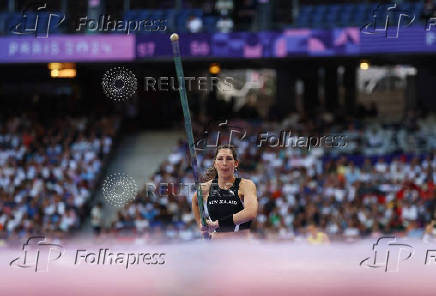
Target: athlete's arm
195,209
249,212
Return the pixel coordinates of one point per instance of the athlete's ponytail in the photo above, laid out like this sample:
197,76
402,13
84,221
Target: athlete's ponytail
211,172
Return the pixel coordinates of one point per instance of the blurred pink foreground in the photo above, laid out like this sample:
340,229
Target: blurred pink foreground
219,268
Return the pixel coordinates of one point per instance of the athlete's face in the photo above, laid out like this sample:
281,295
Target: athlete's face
225,164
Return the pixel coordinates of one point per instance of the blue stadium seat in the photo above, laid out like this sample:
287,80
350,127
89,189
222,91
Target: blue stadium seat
362,7
304,16
130,15
181,20
418,8
334,7
157,14
317,20
12,20
303,21
407,6
3,19
322,15
171,19
306,9
344,17
331,15
196,12
419,5
209,24
348,7
144,14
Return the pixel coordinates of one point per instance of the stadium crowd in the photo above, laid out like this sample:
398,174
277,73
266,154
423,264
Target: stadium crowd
48,169
381,181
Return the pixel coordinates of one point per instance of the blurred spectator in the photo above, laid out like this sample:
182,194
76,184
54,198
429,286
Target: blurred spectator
225,25
429,9
430,232
315,236
195,24
249,110
96,217
224,6
245,14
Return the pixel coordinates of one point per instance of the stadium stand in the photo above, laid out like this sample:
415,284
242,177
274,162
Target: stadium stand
347,15
48,171
315,15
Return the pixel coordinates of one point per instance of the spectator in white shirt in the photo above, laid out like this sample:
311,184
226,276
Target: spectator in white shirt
195,24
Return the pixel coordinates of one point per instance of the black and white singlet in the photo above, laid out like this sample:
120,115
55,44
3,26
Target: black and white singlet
221,203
